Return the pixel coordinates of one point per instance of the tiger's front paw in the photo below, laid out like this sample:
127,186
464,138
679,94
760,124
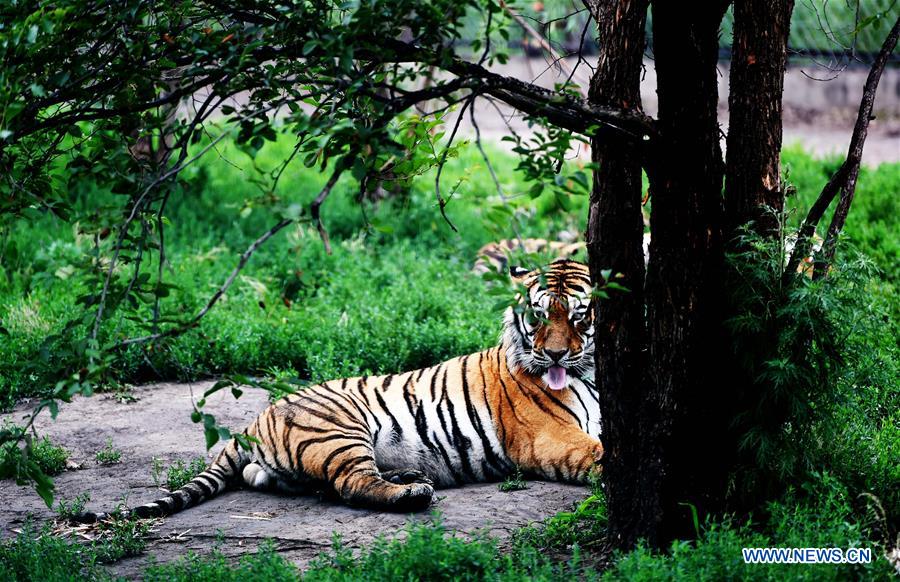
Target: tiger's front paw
415,497
595,470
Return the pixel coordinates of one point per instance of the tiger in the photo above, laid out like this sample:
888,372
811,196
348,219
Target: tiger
495,257
386,442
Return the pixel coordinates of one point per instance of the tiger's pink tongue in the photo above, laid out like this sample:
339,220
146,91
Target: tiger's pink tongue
556,377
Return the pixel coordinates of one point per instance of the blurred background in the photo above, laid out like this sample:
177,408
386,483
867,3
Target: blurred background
832,44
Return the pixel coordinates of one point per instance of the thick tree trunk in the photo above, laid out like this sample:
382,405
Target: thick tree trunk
614,236
688,458
753,194
758,61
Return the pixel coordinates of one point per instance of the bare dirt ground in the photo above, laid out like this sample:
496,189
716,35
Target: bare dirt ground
159,425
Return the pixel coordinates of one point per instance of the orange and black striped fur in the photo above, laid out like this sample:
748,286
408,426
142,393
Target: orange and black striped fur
495,257
387,441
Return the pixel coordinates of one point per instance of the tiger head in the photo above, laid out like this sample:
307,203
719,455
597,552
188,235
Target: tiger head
550,334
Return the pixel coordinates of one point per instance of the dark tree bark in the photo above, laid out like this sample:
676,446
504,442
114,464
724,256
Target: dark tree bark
753,194
687,458
758,61
615,239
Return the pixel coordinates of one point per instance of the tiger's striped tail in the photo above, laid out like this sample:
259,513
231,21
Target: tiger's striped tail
221,473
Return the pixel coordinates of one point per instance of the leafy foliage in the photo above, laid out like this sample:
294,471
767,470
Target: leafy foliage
39,555
264,564
821,514
30,460
120,538
428,551
803,343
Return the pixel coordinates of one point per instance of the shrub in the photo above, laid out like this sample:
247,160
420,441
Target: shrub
49,457
809,350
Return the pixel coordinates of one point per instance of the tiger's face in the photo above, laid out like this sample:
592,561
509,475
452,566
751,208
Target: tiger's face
551,334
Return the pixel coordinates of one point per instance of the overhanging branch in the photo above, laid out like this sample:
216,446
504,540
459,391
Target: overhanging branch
563,110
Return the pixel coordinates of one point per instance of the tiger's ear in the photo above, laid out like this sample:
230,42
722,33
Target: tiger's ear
518,273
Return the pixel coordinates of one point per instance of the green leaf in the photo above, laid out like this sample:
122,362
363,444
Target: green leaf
218,386
695,519
212,437
309,46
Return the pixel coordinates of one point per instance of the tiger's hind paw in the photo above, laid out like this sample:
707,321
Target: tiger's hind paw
406,477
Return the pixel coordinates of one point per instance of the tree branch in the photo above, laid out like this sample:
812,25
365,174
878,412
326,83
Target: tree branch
320,199
565,111
854,157
245,256
557,58
844,180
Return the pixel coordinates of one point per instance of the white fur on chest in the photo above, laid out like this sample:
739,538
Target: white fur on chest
586,405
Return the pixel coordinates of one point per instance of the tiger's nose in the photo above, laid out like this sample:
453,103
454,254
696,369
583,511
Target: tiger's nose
556,355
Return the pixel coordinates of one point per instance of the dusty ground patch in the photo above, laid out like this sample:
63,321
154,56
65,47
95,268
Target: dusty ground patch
159,425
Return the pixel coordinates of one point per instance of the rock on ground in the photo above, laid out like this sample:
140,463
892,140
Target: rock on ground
158,425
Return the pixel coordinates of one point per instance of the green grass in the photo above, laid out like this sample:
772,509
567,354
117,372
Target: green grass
36,554
514,482
108,455
68,508
424,552
377,304
582,527
874,220
823,516
177,474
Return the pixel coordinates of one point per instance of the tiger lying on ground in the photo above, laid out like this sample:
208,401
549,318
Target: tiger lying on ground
387,441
